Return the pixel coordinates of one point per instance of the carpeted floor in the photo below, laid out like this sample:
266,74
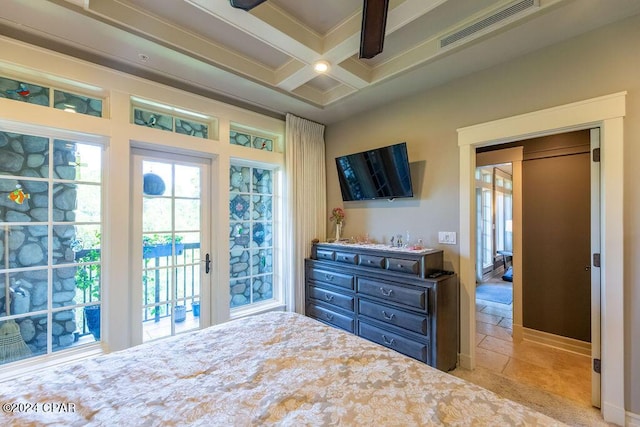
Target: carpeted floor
557,407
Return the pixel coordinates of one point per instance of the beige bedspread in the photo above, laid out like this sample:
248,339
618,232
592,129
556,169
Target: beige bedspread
276,368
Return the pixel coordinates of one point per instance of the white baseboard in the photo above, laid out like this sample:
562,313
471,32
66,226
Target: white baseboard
557,341
613,414
633,420
464,361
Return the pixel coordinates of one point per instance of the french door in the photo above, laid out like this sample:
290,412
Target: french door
171,225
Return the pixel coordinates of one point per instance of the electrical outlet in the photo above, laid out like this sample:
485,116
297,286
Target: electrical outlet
447,237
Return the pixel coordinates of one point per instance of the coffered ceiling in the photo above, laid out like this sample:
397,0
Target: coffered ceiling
263,59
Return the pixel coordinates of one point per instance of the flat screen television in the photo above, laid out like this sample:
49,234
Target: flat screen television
380,173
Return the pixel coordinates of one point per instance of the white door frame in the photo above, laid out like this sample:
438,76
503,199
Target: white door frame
607,113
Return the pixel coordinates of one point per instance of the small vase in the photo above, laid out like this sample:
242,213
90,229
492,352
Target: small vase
338,230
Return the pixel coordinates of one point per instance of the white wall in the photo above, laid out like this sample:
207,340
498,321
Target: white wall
598,63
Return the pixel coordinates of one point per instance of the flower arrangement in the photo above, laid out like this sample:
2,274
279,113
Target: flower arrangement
337,215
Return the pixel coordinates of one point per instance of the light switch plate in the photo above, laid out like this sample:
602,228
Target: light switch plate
447,237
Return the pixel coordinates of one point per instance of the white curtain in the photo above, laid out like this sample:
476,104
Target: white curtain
306,217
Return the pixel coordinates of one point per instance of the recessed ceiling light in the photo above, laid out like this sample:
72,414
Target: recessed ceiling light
321,66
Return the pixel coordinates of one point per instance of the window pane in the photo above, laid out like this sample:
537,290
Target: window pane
240,265
24,201
29,292
24,155
262,209
262,288
192,128
239,236
263,144
262,181
262,234
77,103
152,119
24,91
187,181
24,246
239,208
161,219
74,161
240,292
261,261
238,138
187,215
240,179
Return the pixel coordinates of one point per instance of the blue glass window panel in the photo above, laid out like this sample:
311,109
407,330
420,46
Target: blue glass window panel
24,155
262,288
262,181
192,128
152,119
263,143
240,292
77,103
238,138
24,91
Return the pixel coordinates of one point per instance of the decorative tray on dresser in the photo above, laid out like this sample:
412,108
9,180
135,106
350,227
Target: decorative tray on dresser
397,297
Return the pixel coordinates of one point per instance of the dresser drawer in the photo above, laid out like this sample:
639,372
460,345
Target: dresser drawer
333,278
408,296
393,316
417,350
347,258
403,265
325,255
328,316
333,298
372,261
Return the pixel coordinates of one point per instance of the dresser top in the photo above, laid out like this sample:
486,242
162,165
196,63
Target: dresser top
376,247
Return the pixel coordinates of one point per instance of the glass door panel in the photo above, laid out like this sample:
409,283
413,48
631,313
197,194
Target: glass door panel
172,233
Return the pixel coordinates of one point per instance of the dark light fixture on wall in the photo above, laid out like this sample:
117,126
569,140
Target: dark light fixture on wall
246,4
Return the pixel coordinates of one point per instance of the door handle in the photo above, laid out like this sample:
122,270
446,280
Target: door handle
587,268
207,264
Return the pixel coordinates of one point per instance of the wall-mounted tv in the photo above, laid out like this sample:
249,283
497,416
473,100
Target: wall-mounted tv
380,173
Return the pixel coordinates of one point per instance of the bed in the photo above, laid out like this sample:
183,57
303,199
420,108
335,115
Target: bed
269,369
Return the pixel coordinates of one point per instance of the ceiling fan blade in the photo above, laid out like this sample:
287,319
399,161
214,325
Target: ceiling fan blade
246,4
374,23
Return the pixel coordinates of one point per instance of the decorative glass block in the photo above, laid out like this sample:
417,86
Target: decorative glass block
240,292
262,181
192,128
262,208
77,103
238,138
238,237
262,234
262,288
23,155
263,143
239,179
24,92
261,261
239,208
153,120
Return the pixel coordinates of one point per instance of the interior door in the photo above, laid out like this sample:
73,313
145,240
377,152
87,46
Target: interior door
171,221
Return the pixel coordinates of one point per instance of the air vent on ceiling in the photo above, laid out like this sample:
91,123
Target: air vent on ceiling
488,21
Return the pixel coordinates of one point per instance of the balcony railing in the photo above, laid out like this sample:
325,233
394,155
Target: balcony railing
156,281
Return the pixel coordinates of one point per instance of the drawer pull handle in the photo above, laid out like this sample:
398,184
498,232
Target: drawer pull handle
386,292
328,297
370,262
388,316
329,277
388,341
328,316
400,266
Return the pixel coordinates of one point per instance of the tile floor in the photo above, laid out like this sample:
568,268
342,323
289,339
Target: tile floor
553,370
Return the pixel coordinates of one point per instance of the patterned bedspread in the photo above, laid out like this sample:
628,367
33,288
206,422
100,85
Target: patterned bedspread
271,369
